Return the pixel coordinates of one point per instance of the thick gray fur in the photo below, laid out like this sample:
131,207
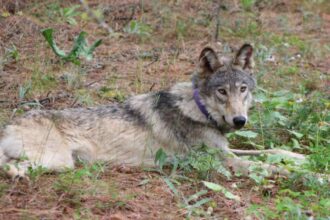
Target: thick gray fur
131,133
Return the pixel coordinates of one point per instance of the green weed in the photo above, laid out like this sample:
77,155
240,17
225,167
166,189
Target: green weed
56,13
69,14
4,116
218,188
74,77
247,4
287,71
139,29
42,82
181,28
297,42
289,120
193,204
302,195
12,53
202,161
80,47
84,97
84,181
112,94
242,28
298,122
36,172
3,189
39,83
24,89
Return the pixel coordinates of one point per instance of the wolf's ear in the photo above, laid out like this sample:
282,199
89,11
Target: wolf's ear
244,57
208,62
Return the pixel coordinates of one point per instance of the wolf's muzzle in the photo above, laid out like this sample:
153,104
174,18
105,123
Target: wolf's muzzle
239,122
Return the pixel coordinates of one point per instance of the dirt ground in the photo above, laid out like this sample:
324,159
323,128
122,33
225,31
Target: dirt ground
128,64
120,196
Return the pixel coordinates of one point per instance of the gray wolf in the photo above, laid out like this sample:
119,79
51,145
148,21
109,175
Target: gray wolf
184,116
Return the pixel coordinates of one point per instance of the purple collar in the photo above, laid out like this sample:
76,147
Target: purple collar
203,109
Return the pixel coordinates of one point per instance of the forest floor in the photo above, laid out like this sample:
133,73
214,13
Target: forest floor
152,45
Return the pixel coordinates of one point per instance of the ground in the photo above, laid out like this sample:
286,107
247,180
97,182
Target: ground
152,45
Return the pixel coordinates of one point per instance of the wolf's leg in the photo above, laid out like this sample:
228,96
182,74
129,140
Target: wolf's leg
270,151
240,165
22,147
17,170
235,163
10,150
14,171
51,161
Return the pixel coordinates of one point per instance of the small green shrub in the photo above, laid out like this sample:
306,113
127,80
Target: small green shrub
291,121
80,47
12,53
247,4
69,13
56,13
140,29
203,160
110,93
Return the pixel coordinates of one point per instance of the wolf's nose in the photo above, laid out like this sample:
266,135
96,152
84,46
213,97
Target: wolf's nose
239,121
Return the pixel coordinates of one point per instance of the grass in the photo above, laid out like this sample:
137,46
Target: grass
111,94
291,108
203,162
84,97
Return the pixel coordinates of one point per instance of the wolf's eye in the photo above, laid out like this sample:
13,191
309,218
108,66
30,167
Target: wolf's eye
243,88
222,91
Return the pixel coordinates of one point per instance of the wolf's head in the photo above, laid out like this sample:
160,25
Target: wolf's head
225,86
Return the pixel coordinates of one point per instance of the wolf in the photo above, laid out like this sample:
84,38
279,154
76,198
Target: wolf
178,119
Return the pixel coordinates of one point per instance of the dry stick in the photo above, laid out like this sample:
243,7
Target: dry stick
96,81
33,211
44,100
152,86
270,151
217,27
100,21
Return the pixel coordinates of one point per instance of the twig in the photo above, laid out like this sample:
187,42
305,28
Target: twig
152,62
217,27
152,86
74,102
96,81
2,85
33,211
269,151
43,101
13,114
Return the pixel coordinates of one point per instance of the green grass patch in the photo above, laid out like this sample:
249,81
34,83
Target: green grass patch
112,94
43,82
84,97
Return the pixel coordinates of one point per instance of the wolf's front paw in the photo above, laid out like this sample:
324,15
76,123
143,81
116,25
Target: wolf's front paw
21,178
16,173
